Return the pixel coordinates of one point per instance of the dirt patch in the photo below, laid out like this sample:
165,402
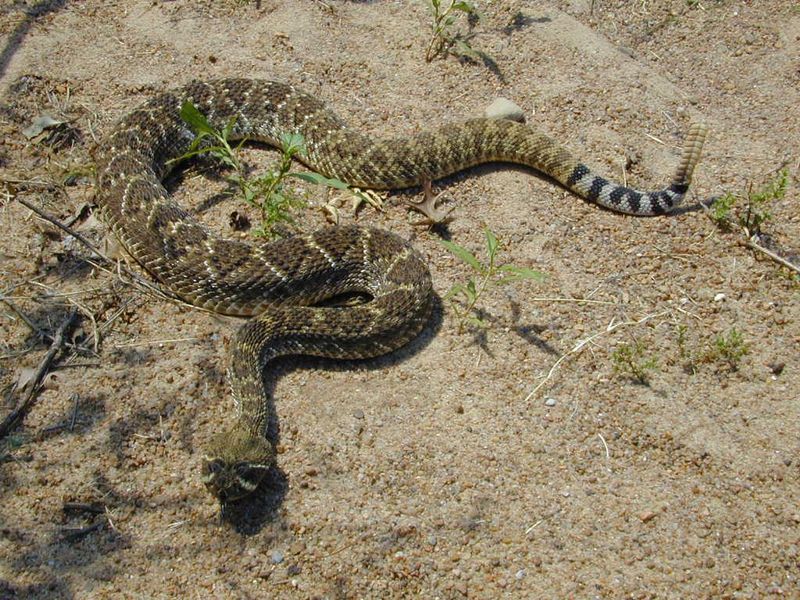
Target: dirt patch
434,471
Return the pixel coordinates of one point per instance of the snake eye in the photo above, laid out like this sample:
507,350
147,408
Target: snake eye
243,470
214,467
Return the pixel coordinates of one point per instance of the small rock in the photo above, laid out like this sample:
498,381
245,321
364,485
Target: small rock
502,108
520,574
776,367
647,515
550,402
276,557
719,297
358,413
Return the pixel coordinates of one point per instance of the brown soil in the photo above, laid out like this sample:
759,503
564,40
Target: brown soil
433,472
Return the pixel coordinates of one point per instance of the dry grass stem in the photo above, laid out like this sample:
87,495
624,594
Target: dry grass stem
579,347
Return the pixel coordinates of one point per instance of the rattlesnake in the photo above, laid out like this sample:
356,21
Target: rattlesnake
278,283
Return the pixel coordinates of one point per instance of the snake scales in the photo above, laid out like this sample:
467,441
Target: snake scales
278,283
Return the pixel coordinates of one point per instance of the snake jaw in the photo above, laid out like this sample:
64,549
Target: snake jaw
237,466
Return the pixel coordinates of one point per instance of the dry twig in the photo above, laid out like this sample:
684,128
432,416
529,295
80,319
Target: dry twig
110,265
578,348
44,366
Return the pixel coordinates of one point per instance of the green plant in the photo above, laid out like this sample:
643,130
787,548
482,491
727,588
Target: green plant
729,348
685,354
755,211
630,360
721,209
268,192
443,39
464,297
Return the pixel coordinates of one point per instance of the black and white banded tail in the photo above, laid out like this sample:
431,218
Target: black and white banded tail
623,199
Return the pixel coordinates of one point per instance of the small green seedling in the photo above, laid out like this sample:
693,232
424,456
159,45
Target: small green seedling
631,361
464,297
728,348
268,192
443,39
685,354
728,210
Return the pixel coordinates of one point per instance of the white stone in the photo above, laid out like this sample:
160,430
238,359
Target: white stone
503,108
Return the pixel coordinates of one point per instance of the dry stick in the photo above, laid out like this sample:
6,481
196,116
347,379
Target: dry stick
578,348
753,245
84,507
77,400
31,325
137,279
789,265
71,534
58,341
88,314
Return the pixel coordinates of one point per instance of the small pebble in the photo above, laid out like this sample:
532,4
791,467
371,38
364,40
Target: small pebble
520,574
719,297
647,515
502,108
550,402
358,413
776,367
277,557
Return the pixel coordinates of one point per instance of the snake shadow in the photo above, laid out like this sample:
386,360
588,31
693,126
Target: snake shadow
249,515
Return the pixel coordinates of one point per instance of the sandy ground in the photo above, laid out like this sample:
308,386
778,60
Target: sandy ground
433,472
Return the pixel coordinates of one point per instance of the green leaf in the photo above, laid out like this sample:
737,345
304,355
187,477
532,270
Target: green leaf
318,179
196,120
471,291
463,6
454,291
463,254
472,319
228,129
491,243
518,274
293,143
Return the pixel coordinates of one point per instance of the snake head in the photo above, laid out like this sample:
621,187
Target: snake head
236,464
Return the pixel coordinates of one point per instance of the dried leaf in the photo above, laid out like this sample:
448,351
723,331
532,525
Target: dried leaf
39,124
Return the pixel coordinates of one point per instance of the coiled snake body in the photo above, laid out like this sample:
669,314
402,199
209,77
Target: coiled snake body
278,283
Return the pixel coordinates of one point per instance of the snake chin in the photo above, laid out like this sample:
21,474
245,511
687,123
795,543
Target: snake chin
236,465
